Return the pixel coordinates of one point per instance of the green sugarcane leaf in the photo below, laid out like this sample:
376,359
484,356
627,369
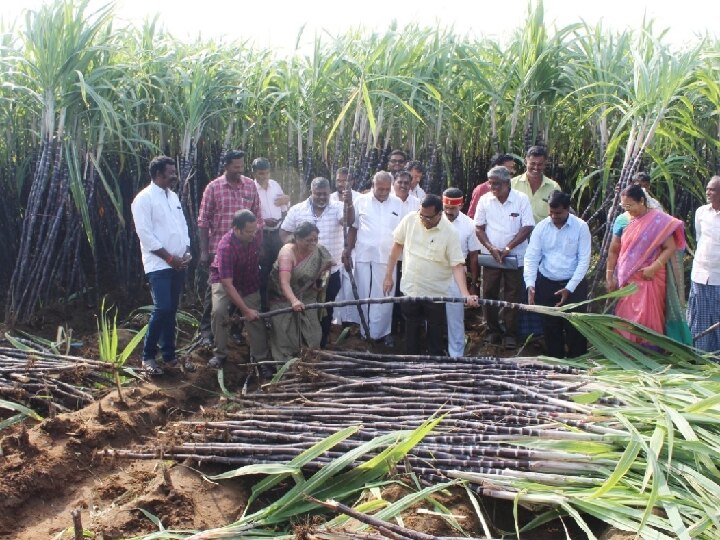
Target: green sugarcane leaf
703,405
19,345
130,347
221,382
283,369
579,520
366,507
402,504
589,397
12,421
153,518
20,408
259,468
301,460
478,511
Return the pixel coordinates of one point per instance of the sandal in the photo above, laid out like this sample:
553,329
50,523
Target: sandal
216,362
151,368
185,365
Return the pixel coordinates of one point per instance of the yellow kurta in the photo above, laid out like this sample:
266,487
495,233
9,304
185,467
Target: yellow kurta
539,199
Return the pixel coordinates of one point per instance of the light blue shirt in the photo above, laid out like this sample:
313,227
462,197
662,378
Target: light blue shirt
560,254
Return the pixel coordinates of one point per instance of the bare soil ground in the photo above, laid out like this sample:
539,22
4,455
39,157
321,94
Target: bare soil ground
56,466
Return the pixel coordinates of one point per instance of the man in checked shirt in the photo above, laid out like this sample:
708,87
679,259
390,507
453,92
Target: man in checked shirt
221,199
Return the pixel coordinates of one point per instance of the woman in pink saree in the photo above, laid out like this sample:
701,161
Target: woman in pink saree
646,250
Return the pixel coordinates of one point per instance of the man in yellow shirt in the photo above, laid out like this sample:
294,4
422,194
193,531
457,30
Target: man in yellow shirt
432,258
535,184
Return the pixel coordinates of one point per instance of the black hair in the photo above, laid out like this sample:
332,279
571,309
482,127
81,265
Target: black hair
305,229
559,199
536,151
399,152
242,218
403,172
636,193
232,155
415,164
499,159
453,192
158,164
342,171
432,201
260,164
641,176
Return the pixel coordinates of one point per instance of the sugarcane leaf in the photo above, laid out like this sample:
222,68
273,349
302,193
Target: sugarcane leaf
152,517
12,421
271,469
587,398
19,345
579,520
365,507
402,504
221,382
20,408
283,369
478,511
302,459
132,344
703,405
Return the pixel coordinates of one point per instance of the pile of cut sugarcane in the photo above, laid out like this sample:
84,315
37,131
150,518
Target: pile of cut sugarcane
47,380
634,448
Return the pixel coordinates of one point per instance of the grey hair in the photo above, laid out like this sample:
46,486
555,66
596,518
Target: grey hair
382,175
499,173
320,183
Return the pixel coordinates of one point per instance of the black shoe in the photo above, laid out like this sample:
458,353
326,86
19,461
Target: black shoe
266,371
237,337
389,341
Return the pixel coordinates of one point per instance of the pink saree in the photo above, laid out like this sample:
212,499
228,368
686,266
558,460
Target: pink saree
640,245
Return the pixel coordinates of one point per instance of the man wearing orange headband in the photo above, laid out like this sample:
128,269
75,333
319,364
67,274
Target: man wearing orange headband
469,244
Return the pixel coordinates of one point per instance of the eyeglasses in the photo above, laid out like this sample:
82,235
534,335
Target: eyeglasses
397,161
428,218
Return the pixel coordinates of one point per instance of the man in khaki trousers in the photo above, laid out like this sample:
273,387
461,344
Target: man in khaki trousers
235,280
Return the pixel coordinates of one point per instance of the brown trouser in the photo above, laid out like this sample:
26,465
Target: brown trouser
257,335
512,283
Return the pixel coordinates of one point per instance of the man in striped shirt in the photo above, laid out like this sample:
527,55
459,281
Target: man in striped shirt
221,199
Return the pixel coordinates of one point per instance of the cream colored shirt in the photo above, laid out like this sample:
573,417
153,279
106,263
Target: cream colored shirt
706,266
430,255
539,199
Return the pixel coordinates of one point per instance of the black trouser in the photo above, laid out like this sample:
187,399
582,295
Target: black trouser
512,282
271,248
416,315
333,288
397,318
559,332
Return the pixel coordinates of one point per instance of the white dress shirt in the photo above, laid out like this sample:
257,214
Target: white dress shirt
334,197
410,204
466,229
330,224
375,222
267,201
159,223
706,266
418,193
503,220
560,254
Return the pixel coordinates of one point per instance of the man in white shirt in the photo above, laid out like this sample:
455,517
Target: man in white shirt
329,218
273,205
417,174
369,242
453,201
346,314
503,222
165,245
556,261
704,303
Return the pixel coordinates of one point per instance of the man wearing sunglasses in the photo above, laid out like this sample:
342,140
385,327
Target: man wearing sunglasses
432,258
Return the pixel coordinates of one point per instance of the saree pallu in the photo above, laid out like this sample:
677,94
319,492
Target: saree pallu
658,302
289,330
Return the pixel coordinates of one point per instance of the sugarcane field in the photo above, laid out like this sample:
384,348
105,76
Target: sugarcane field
398,283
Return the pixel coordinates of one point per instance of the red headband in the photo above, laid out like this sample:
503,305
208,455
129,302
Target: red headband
453,201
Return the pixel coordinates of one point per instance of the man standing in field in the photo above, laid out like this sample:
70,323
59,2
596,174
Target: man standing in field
556,261
235,280
165,245
369,241
704,304
329,218
453,201
221,199
503,222
432,259
417,173
534,183
346,314
273,205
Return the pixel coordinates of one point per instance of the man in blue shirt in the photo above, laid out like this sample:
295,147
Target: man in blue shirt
556,262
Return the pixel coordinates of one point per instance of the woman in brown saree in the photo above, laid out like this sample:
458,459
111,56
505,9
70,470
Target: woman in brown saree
298,277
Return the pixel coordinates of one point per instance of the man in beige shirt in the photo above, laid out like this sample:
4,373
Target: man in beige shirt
535,184
432,258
